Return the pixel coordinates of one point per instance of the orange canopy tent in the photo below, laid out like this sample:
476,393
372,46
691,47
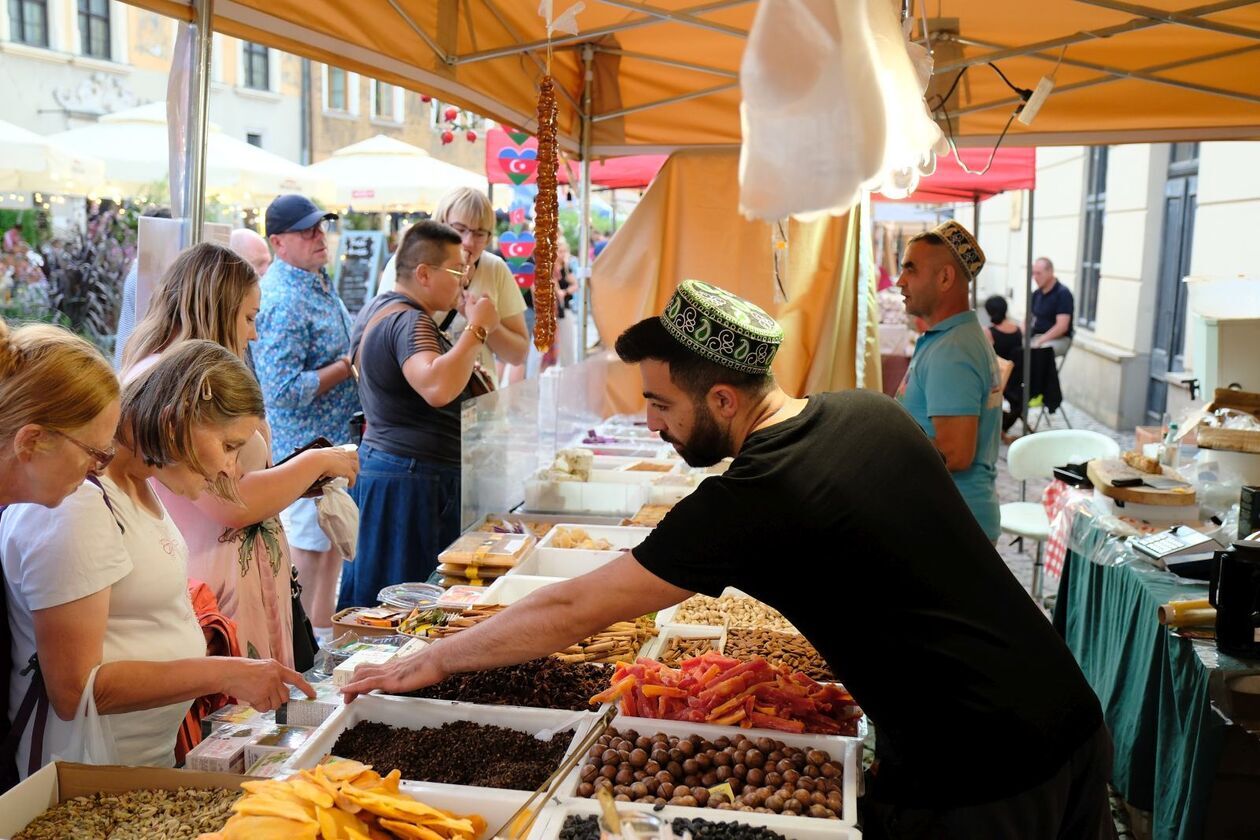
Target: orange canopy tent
666,71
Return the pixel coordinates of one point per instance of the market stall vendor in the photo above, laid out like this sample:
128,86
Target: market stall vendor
839,512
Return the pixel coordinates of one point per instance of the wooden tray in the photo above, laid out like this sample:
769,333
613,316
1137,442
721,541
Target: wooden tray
1234,440
1103,472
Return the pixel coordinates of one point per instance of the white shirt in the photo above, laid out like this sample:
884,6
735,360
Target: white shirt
58,555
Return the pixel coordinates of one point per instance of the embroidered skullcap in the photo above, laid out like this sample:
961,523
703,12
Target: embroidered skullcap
963,244
722,327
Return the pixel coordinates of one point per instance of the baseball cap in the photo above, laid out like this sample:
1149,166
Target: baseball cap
294,212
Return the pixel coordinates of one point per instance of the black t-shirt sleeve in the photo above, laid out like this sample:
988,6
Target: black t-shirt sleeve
1063,301
699,546
412,332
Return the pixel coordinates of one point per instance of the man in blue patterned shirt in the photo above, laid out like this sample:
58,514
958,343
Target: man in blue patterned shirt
303,364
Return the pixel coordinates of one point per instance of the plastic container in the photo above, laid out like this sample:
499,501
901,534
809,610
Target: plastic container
586,497
410,595
511,588
657,646
415,713
550,561
845,750
793,828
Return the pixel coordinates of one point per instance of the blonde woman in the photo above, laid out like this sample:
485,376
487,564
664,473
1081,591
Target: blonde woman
238,550
97,587
470,214
58,412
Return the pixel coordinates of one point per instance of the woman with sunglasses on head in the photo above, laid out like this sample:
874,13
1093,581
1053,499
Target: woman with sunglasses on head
469,213
97,587
58,412
239,550
412,378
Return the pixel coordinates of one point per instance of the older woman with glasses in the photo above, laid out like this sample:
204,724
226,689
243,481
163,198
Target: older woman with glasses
58,411
412,378
470,214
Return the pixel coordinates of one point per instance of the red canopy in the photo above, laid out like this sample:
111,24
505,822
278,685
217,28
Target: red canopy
512,158
1012,169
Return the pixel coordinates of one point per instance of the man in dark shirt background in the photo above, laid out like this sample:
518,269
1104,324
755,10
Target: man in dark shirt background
1052,308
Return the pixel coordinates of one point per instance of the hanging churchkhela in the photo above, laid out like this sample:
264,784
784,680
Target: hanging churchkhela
546,217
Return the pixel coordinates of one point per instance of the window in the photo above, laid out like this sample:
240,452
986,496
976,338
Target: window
383,101
256,65
28,22
94,28
337,99
253,138
1091,246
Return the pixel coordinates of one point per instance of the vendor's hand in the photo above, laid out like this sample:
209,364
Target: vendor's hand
420,670
262,683
338,462
483,313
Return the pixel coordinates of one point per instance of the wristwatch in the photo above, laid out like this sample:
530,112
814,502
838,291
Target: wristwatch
479,333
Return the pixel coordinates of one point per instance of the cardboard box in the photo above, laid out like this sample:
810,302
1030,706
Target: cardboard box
224,750
280,739
57,782
302,711
272,765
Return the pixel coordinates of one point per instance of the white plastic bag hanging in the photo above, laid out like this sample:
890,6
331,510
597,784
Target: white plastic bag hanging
832,105
91,739
339,517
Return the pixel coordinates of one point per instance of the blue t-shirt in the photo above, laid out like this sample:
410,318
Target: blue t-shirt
1046,306
954,373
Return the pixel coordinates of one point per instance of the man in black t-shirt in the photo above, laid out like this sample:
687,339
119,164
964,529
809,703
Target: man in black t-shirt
839,512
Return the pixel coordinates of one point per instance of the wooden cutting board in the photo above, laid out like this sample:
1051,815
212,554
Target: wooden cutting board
1103,472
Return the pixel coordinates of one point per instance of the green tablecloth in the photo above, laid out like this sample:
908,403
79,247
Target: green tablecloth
1155,687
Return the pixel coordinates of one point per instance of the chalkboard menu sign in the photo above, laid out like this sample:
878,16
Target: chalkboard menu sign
360,258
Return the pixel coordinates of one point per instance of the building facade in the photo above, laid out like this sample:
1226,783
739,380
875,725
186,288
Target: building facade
66,63
347,108
1124,225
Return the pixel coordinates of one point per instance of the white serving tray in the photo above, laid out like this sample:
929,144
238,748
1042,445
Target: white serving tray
511,588
549,561
793,828
843,749
684,631
494,804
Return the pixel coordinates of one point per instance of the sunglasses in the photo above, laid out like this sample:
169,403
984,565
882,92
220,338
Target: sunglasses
102,459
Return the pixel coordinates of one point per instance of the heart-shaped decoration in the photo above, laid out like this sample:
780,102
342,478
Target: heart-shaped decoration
518,137
517,216
524,275
520,166
516,245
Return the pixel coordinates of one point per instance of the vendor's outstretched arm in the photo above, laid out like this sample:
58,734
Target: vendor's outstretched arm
548,620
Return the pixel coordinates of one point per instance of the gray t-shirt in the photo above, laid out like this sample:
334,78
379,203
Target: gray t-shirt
399,420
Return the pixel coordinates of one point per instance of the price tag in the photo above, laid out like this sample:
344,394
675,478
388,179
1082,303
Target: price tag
724,789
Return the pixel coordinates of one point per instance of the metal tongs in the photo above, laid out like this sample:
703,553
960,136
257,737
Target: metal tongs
520,823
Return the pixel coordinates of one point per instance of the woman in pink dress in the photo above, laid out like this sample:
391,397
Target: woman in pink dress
239,551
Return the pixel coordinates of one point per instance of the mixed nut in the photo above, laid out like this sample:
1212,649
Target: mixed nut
790,649
763,775
732,611
619,643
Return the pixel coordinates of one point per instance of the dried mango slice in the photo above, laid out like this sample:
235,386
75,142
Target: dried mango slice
267,806
411,831
243,827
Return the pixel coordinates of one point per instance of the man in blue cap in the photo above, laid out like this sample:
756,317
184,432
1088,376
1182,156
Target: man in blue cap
303,364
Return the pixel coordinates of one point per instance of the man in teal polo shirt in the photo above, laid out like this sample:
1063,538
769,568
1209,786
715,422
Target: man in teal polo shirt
953,387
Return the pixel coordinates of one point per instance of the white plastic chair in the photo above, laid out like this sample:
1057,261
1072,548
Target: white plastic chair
1036,456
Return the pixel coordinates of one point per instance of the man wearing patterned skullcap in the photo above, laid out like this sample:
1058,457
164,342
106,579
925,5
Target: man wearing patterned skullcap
838,512
953,387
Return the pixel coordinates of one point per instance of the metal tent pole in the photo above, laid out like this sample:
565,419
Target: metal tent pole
584,222
975,231
198,120
1037,563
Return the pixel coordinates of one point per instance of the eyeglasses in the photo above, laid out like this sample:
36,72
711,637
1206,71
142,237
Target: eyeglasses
313,232
478,234
102,458
461,273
